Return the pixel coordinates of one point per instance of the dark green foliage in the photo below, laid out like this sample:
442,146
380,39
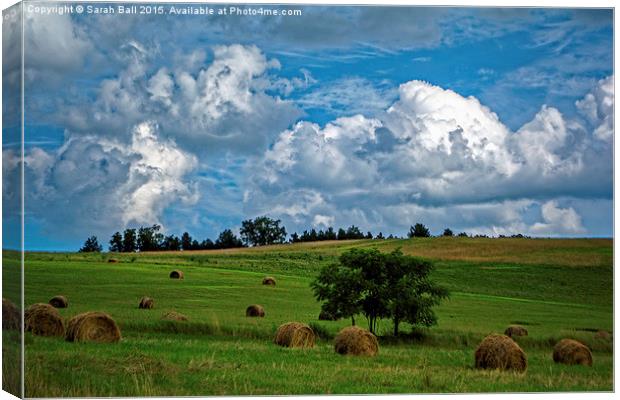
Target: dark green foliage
262,231
379,285
186,241
418,230
129,241
149,238
91,245
171,243
462,234
228,240
448,232
116,242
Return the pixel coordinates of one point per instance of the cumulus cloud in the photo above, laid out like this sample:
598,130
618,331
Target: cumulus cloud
598,108
103,184
437,155
558,221
222,106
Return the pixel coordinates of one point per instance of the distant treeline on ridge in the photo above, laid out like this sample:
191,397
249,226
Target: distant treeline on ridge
260,231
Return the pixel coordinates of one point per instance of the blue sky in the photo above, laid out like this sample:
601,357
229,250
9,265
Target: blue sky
490,121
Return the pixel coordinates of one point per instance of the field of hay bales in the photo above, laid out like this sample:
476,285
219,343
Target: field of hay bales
555,289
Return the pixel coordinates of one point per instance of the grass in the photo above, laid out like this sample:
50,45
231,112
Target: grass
557,288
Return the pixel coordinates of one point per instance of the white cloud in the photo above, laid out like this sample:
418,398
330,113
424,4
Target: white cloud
103,184
220,106
432,154
558,221
598,108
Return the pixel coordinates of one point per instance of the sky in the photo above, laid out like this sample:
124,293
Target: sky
491,121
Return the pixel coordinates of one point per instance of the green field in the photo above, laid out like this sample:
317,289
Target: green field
556,288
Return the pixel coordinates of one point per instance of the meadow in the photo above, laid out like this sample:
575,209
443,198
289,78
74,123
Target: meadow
556,288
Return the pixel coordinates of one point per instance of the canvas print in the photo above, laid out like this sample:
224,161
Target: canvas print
205,199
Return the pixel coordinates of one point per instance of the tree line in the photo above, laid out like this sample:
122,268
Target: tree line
259,231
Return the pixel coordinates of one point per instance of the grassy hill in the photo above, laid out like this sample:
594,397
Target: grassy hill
556,288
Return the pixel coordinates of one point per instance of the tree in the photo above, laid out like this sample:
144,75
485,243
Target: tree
186,241
448,232
353,232
369,235
91,245
129,240
207,244
227,240
379,285
149,238
380,236
342,234
171,243
116,242
294,237
262,231
462,234
418,230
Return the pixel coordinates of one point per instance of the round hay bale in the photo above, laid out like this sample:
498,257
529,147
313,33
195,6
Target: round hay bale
176,274
515,330
572,352
174,316
43,320
92,326
327,316
270,281
112,260
295,334
146,303
604,335
500,352
59,302
255,310
356,341
11,317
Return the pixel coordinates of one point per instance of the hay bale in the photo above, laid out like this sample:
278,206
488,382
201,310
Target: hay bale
11,317
295,334
43,320
572,352
500,352
604,335
59,302
176,274
356,341
146,303
327,316
92,326
112,260
270,281
515,330
174,316
255,310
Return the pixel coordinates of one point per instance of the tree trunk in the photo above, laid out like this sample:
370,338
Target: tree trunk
352,320
396,322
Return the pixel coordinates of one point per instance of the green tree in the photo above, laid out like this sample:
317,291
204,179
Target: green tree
149,238
171,243
91,245
448,232
116,242
227,239
262,231
129,240
379,285
186,241
418,230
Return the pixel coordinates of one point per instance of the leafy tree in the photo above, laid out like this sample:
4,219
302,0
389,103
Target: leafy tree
129,240
227,240
418,230
294,238
462,234
186,241
448,232
369,235
207,244
342,234
171,243
149,238
379,285
380,236
353,232
262,231
91,245
116,242
330,234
